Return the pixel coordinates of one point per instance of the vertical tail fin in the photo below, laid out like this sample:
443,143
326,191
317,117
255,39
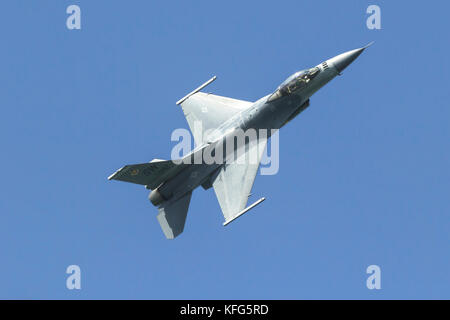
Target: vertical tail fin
172,216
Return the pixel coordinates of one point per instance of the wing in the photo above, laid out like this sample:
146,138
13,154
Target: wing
234,181
206,112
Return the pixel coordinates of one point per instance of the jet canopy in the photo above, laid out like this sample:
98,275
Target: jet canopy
295,82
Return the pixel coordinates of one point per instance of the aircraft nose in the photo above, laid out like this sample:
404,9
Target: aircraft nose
343,60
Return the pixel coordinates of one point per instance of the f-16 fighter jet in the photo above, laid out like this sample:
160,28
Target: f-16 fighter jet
217,161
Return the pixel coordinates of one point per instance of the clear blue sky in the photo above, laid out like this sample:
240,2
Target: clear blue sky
364,172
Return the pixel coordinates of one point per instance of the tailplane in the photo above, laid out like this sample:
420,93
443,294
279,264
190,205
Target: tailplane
150,174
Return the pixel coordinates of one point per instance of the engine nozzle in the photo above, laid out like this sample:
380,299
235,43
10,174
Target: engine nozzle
156,198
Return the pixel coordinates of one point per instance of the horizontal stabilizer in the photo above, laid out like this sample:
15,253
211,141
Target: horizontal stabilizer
150,174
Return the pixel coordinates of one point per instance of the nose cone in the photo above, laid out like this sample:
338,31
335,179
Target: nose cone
343,60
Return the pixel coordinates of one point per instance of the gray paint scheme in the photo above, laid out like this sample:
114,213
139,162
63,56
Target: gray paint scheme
172,184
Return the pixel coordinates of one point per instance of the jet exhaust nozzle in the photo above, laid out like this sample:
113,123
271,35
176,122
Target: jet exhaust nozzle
156,198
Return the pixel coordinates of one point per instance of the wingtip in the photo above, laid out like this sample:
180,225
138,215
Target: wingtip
111,177
244,211
196,90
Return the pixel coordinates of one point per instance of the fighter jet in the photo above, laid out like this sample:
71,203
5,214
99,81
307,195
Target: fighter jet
214,121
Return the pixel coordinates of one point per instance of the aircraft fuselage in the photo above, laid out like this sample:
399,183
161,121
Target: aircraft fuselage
265,114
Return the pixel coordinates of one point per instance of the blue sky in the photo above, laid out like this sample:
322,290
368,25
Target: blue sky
364,172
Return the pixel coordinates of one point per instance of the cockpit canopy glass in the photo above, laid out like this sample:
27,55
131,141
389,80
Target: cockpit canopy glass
294,83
